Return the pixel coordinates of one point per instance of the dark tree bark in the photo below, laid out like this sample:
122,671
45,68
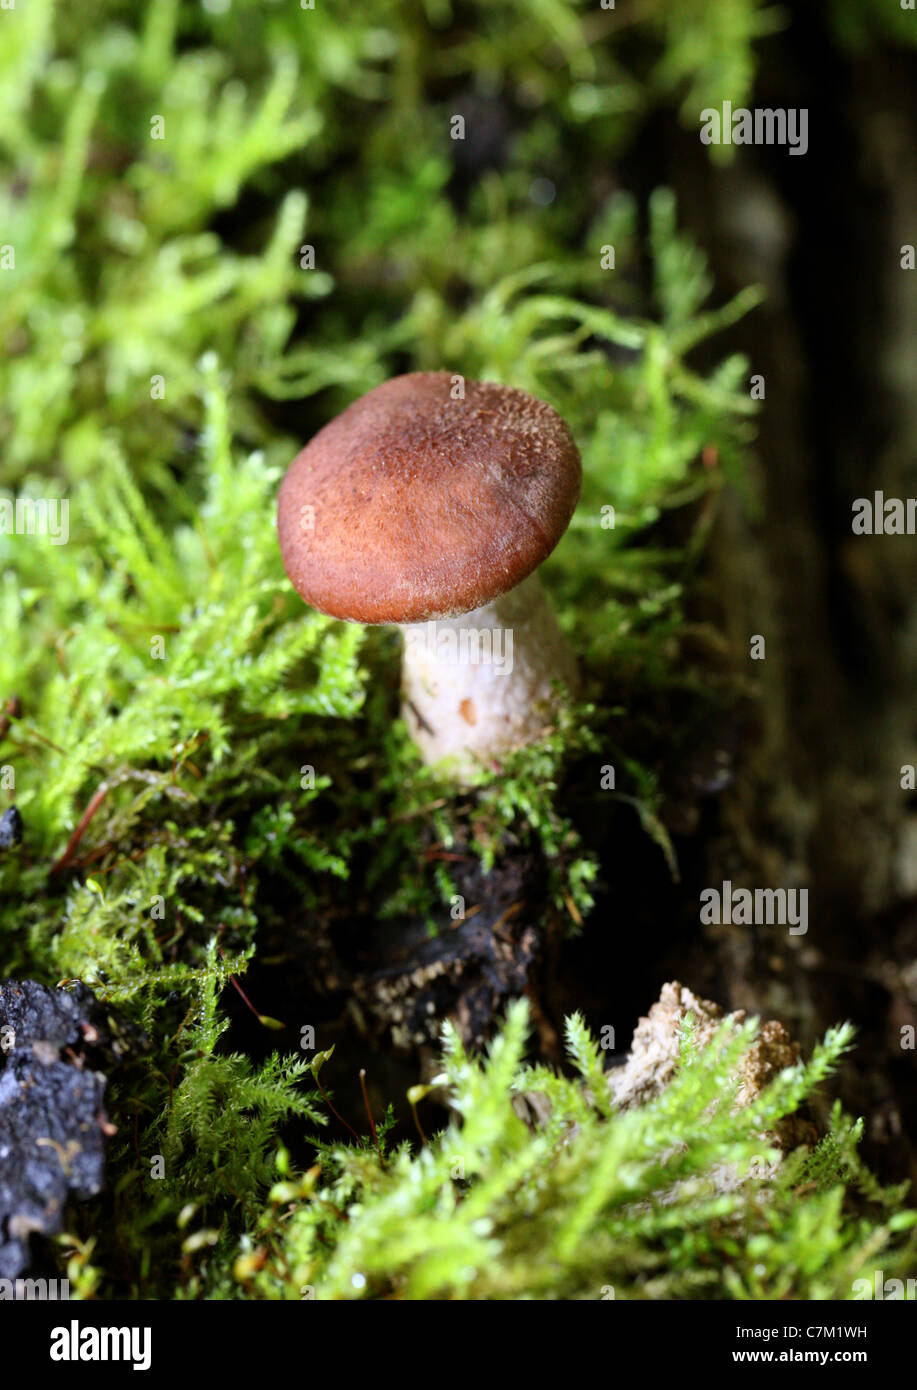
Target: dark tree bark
818,802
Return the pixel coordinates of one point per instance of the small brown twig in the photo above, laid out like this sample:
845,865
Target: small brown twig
372,1123
340,1118
417,1124
427,728
12,708
238,988
513,910
95,802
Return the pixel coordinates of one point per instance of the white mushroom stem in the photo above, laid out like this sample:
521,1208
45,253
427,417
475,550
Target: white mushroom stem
479,685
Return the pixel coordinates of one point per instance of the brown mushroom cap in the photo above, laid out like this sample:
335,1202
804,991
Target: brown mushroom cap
424,506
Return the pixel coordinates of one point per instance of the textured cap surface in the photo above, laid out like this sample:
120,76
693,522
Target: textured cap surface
411,505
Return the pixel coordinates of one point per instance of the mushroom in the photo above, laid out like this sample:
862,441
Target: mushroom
429,503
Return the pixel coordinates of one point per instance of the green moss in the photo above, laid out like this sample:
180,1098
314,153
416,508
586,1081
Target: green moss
164,354
586,1203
